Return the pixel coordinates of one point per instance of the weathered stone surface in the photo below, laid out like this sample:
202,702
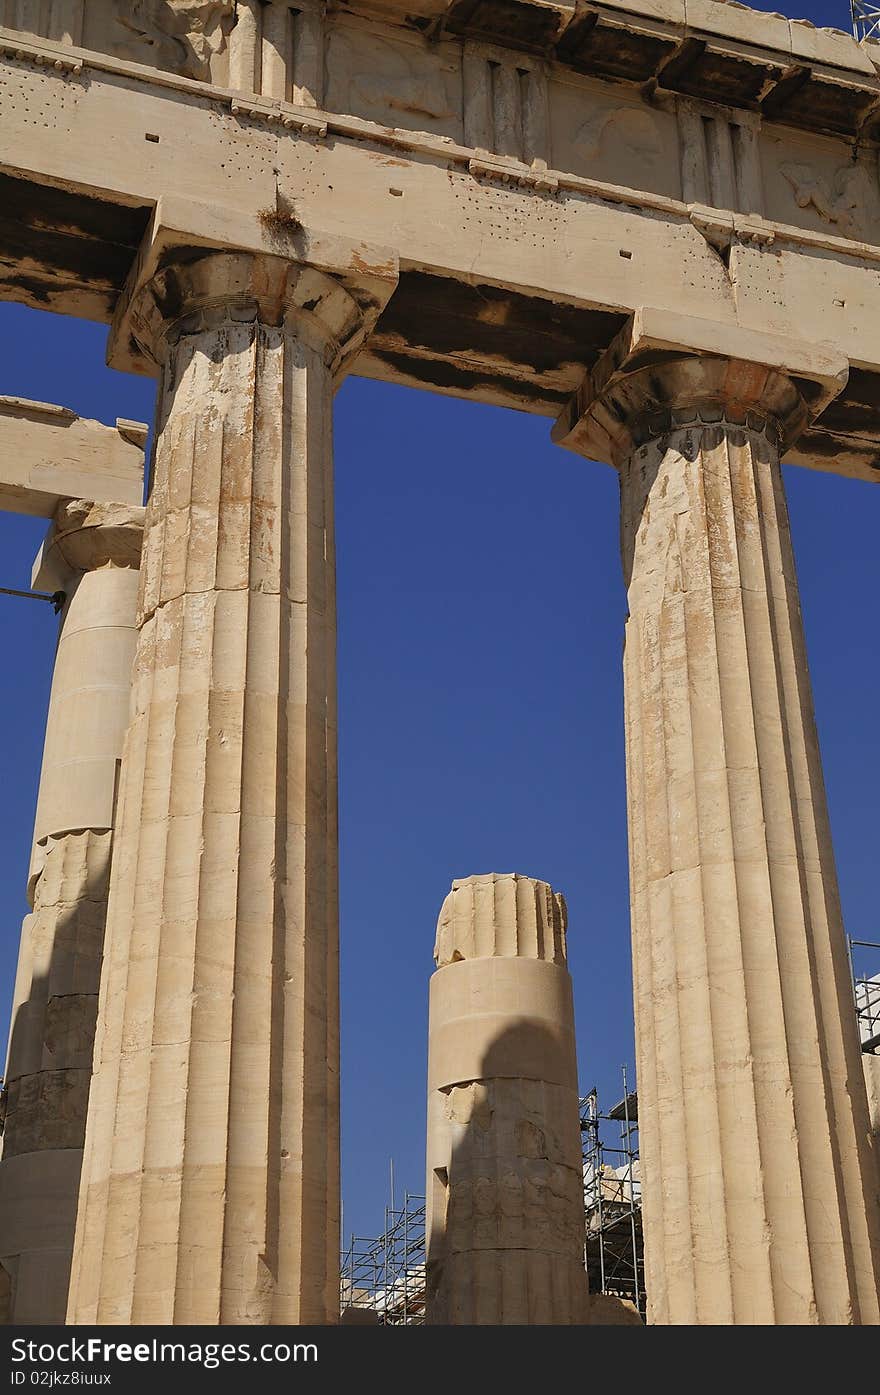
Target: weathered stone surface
91,553
507,916
871,1066
37,1220
759,1194
48,454
564,157
723,53
87,535
210,1186
48,1110
543,172
505,1221
607,1311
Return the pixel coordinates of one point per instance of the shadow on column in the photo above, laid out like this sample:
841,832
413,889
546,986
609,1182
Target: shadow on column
48,1077
506,1240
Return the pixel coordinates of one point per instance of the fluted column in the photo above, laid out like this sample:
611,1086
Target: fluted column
92,553
505,1200
210,1186
755,1151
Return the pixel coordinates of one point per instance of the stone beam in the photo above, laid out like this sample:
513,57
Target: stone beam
48,453
519,262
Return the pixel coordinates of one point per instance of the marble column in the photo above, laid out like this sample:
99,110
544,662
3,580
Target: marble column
505,1195
92,554
759,1203
211,1179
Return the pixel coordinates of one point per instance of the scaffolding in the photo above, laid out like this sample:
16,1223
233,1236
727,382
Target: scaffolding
866,992
385,1275
613,1247
865,19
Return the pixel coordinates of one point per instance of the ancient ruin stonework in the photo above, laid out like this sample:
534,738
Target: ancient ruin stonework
92,554
657,224
505,1216
746,1040
210,1182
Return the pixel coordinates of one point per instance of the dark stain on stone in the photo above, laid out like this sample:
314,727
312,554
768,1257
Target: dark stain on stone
782,92
612,52
863,386
170,298
722,78
617,409
468,381
184,256
652,358
451,318
823,106
79,261
506,22
826,445
279,221
856,412
44,206
809,390
83,243
33,291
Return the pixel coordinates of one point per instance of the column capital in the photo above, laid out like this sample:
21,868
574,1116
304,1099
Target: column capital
191,296
196,270
85,536
665,370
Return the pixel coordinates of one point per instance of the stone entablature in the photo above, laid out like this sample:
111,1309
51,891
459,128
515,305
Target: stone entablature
48,454
533,204
662,234
707,49
696,106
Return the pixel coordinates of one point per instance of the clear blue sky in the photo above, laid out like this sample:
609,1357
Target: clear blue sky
480,629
